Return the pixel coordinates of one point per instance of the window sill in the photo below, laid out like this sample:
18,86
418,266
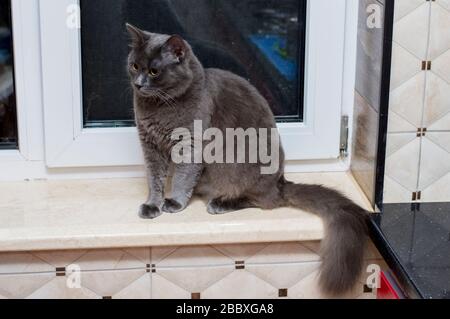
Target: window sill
93,214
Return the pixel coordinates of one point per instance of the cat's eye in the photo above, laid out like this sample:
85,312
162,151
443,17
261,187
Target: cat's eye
153,72
134,67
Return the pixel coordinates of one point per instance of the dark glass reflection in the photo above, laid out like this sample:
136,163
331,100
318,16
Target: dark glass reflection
8,120
261,40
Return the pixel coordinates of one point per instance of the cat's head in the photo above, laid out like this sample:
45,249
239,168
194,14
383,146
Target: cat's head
159,64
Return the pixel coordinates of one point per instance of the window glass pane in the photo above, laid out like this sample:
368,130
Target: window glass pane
261,40
8,120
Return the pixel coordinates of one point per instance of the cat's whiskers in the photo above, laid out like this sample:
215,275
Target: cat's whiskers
166,98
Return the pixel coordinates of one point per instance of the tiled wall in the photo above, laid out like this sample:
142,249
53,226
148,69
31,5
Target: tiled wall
287,270
367,100
418,150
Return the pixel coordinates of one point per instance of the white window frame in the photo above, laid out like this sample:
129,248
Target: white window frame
26,162
53,144
70,145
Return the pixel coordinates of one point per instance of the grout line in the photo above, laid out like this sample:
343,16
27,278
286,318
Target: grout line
419,175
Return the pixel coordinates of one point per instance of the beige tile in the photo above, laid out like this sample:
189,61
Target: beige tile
240,284
405,7
441,139
437,104
435,163
365,134
240,252
396,141
58,289
403,165
439,191
283,276
398,124
110,259
405,66
441,66
139,289
441,125
142,254
196,279
110,283
21,286
195,256
19,263
395,193
284,253
307,288
411,31
435,167
439,31
407,100
164,289
159,253
60,258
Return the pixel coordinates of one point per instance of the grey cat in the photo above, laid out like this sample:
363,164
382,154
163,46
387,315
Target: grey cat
172,90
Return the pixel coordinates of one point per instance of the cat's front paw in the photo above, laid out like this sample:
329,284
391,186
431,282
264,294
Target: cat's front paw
171,206
149,211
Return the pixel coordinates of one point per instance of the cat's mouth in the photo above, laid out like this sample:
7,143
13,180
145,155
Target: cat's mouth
145,92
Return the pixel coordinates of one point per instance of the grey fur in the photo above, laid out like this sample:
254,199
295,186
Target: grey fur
183,92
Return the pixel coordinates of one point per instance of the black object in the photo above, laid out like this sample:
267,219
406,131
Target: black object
414,239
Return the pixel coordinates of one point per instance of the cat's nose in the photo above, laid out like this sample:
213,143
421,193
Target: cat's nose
138,87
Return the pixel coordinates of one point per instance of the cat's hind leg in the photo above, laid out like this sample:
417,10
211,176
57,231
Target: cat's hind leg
219,206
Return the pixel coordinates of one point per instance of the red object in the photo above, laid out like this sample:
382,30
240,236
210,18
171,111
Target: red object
387,290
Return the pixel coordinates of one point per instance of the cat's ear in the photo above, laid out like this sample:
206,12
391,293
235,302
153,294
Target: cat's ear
175,48
137,36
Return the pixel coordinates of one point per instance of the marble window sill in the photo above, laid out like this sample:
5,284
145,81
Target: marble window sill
94,214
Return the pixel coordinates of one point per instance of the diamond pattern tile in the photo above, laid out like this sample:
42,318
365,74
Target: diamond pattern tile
22,263
284,253
398,124
58,289
402,165
441,66
437,103
241,285
435,159
405,66
21,286
240,252
439,30
283,275
113,259
394,192
165,289
196,279
194,256
139,289
420,101
407,100
60,258
397,141
265,271
405,7
108,283
411,31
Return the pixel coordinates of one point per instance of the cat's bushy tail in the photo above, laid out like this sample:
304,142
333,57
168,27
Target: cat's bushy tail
346,230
